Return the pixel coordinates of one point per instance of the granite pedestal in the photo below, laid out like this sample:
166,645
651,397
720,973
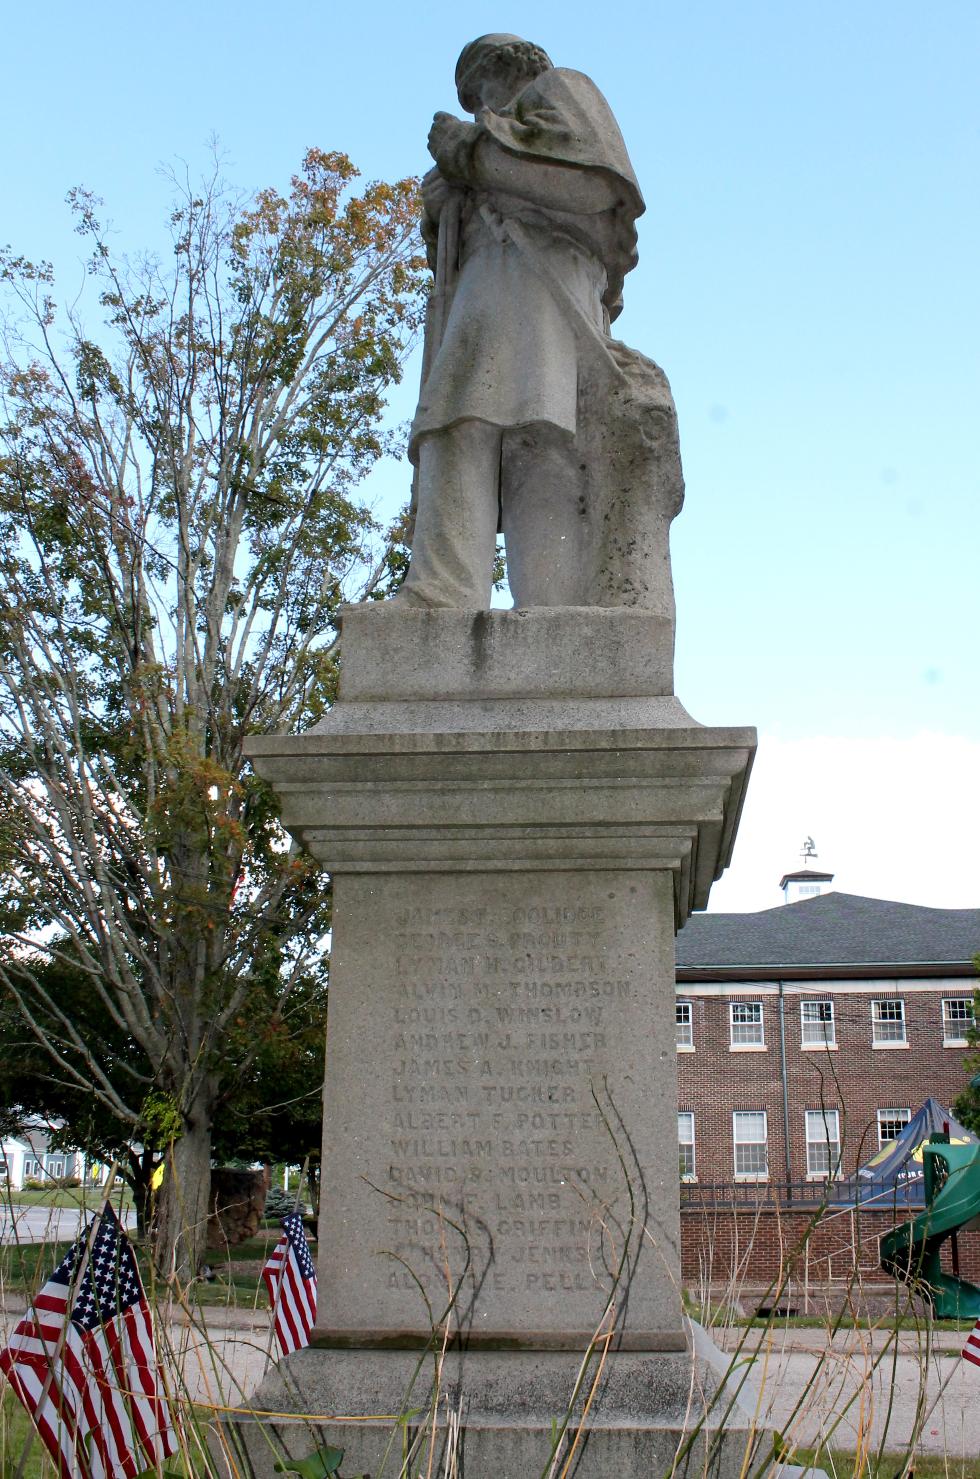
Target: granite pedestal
517,813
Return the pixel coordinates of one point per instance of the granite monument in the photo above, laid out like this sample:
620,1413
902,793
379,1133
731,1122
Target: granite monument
517,813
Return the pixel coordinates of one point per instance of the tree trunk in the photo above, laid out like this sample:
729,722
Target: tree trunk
137,1177
180,1225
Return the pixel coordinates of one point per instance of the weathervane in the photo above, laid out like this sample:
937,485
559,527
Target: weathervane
809,850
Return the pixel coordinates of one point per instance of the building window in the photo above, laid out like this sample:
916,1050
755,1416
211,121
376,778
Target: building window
891,1123
957,1019
818,1024
746,1023
822,1142
56,1168
751,1136
32,1169
685,1024
807,889
685,1144
4,1169
887,1022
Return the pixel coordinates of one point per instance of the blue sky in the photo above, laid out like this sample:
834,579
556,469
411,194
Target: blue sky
808,279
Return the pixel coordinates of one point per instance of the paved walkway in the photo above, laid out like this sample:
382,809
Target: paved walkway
866,1385
806,1386
44,1224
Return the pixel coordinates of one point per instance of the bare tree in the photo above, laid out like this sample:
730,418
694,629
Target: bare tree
178,526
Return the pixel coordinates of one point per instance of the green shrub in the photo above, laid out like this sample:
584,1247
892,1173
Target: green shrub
279,1203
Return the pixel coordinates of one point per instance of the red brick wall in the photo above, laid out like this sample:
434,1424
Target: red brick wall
720,1246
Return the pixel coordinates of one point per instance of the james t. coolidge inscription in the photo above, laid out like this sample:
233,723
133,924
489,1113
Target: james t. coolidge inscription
511,1037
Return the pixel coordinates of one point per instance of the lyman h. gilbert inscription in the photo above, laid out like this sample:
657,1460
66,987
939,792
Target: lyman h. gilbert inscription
493,1144
517,813
531,418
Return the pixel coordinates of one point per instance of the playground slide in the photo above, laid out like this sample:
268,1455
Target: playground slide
911,1250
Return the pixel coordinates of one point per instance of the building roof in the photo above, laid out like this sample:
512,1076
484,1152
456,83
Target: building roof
832,934
806,875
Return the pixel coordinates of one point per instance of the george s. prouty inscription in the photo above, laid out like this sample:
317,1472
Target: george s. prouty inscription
515,1032
499,1028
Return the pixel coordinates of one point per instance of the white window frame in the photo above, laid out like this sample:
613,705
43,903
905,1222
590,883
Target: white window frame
56,1162
32,1168
952,1036
889,1031
748,1033
826,1035
899,1117
684,1144
821,1129
752,1173
685,1028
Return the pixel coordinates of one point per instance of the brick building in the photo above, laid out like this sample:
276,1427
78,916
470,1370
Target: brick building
807,1036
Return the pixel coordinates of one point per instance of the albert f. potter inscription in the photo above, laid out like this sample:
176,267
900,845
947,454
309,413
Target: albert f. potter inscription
498,1030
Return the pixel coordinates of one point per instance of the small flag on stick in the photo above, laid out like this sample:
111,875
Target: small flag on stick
83,1362
290,1278
971,1351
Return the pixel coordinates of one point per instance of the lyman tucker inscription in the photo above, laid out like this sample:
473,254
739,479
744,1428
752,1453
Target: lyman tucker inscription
498,1158
498,1032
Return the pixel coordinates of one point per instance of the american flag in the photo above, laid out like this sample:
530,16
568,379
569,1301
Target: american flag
83,1363
971,1351
291,1281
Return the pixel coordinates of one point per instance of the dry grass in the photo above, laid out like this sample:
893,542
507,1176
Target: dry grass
858,1426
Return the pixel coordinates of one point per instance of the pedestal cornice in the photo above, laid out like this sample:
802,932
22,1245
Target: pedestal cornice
364,796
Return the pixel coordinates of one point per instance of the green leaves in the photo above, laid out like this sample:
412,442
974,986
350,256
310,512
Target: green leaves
321,1464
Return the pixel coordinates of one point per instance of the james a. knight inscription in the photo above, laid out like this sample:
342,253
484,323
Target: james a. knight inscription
498,1139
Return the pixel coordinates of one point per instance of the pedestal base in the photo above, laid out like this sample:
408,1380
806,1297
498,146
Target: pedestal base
500,1413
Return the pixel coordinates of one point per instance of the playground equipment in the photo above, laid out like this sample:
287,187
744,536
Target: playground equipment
911,1251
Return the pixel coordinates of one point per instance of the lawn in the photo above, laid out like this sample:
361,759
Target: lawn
842,1464
25,1266
68,1196
15,1430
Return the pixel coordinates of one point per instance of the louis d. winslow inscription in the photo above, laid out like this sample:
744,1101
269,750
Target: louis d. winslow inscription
498,1029
512,1027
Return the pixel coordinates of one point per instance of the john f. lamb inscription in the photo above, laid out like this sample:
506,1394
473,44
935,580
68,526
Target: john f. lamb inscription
498,1158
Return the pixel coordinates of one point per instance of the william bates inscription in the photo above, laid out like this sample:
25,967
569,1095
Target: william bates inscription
514,1019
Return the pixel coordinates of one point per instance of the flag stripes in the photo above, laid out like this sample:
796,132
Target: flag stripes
971,1351
290,1278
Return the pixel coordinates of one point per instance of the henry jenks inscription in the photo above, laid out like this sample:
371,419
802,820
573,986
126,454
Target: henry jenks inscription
501,1132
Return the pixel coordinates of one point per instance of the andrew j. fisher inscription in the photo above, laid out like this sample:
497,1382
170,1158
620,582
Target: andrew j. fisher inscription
517,813
514,1038
498,1034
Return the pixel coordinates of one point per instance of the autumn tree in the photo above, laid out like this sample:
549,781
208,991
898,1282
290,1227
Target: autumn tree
269,1101
179,524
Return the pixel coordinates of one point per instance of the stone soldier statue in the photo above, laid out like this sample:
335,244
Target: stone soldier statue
531,419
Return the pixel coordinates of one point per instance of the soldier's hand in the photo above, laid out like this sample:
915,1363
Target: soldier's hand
435,193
